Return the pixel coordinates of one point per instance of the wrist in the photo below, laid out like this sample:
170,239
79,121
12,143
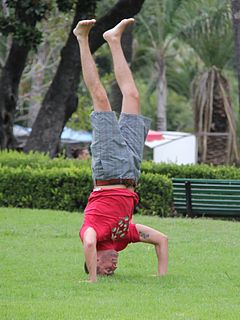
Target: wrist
93,279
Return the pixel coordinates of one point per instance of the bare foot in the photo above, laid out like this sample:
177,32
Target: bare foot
83,27
116,32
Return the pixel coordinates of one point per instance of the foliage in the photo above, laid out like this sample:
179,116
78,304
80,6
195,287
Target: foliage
68,189
40,182
4,44
188,19
203,25
180,113
42,271
65,5
161,50
14,159
157,19
42,64
37,160
182,69
192,171
212,105
147,101
65,184
88,6
22,18
23,15
55,188
103,6
80,120
155,192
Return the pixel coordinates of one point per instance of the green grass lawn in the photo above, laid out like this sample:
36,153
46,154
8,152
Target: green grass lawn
41,264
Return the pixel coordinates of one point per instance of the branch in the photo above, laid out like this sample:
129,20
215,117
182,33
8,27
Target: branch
113,17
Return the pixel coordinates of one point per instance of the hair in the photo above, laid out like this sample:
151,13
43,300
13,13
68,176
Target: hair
76,153
87,272
86,268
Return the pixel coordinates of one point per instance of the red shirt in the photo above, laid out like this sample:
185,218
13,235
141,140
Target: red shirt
109,212
131,237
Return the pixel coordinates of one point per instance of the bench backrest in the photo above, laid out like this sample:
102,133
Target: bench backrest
207,197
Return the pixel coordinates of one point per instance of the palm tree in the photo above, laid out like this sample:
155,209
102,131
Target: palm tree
207,29
158,24
236,27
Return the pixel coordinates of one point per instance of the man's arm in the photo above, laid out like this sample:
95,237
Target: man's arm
90,252
160,240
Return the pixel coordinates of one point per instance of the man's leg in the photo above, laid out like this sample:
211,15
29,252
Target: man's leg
122,71
90,74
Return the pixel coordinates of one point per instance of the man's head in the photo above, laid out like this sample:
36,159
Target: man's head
82,154
106,262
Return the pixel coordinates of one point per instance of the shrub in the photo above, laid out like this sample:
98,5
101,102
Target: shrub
36,181
197,171
60,189
33,160
69,188
155,192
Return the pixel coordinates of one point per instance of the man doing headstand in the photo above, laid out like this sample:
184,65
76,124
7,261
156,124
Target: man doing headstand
117,150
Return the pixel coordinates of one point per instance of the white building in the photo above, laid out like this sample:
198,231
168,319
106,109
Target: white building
172,147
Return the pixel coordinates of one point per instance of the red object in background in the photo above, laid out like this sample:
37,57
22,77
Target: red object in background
154,135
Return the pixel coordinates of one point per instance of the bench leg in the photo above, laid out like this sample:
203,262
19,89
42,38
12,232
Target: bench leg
188,198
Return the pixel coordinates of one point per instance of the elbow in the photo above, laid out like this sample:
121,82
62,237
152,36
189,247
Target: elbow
89,239
163,240
89,244
166,238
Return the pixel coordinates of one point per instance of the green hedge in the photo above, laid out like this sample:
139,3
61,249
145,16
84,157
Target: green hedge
15,159
60,189
33,160
36,181
69,188
155,193
197,171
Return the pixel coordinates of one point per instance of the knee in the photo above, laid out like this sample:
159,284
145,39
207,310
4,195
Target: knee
132,93
100,96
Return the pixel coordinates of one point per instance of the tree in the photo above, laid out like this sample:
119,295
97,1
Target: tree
41,67
61,99
19,20
159,26
236,28
209,22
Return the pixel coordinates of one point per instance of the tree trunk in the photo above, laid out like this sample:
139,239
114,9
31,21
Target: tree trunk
236,27
35,93
61,99
217,146
214,119
116,95
37,83
161,96
9,83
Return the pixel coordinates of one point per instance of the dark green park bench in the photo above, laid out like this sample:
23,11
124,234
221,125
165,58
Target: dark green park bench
207,197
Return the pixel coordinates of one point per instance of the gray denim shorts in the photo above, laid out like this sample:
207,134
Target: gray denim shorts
117,146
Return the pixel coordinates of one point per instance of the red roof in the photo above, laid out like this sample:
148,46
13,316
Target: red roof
154,135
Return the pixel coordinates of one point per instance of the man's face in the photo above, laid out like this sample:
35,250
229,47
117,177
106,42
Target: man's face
106,262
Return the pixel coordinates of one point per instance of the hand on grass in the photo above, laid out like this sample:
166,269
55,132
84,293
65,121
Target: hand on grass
86,281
